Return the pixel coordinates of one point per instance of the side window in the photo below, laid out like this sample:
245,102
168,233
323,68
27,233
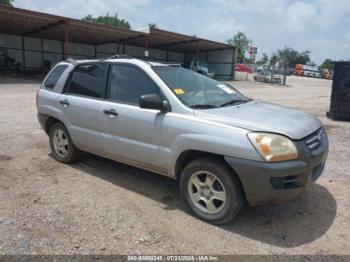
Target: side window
53,77
128,83
88,80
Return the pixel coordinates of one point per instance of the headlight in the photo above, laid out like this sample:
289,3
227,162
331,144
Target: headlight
272,147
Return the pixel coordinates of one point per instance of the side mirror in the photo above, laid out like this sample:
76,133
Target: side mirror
153,101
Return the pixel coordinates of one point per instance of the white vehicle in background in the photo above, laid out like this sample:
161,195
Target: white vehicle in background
311,71
202,68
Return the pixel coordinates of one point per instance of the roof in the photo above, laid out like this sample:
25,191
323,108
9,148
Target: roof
113,59
42,25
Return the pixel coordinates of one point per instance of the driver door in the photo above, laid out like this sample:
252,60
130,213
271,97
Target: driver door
134,135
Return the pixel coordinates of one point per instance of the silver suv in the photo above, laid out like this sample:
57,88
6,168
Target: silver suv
224,149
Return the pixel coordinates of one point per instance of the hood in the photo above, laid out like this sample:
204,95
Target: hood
264,117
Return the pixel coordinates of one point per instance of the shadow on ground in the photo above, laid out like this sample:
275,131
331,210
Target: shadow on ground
290,224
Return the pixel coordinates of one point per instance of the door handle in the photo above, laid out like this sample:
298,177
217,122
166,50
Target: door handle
110,112
64,102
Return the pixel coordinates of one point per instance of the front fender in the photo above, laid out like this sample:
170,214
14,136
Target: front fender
237,145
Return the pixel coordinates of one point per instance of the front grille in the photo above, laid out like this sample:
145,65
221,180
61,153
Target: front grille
315,140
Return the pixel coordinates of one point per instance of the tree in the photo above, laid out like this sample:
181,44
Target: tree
274,58
327,64
152,26
6,2
107,20
263,60
312,63
291,57
241,41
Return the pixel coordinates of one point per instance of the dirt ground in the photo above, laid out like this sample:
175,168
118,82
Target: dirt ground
97,206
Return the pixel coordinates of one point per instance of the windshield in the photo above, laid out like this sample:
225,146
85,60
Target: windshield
196,90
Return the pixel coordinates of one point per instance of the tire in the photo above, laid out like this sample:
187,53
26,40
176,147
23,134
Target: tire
225,183
61,144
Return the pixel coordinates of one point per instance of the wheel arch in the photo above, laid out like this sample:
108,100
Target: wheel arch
50,122
190,155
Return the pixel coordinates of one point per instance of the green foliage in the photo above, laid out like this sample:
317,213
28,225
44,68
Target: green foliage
327,64
312,63
108,20
152,26
274,58
6,2
263,60
241,41
290,57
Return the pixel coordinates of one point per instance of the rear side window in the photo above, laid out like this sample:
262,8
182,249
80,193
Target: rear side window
88,80
53,77
128,83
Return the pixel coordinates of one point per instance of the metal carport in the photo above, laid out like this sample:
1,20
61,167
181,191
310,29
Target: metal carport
33,37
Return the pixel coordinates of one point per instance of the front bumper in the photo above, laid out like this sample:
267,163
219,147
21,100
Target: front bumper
265,182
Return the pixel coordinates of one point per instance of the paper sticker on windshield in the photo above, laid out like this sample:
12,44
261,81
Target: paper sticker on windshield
179,91
226,89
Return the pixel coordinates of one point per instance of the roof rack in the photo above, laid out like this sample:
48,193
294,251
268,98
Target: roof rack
72,61
119,56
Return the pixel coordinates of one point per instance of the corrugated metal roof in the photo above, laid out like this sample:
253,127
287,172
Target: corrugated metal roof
36,24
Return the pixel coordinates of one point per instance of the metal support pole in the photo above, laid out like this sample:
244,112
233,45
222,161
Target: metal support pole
234,59
95,51
197,55
42,50
62,50
146,48
66,40
23,54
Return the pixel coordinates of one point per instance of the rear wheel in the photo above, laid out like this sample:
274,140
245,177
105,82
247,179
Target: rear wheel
211,190
61,144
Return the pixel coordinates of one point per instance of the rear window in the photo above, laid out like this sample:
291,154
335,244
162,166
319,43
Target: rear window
53,77
88,80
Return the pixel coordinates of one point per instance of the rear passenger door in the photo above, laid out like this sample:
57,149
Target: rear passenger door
82,104
134,134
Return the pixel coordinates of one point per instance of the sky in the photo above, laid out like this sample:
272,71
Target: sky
320,26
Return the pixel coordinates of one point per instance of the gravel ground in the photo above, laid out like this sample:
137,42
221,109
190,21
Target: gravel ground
97,206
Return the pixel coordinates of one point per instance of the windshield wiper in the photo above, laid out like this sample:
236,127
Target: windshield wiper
203,106
236,101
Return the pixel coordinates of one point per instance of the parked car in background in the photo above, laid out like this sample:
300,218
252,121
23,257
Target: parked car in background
224,148
268,77
202,68
243,68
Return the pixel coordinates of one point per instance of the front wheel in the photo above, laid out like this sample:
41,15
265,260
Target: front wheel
211,190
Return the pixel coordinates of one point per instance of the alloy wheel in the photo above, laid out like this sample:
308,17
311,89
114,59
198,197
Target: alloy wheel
60,143
207,192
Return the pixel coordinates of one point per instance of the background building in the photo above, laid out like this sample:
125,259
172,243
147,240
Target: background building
32,39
